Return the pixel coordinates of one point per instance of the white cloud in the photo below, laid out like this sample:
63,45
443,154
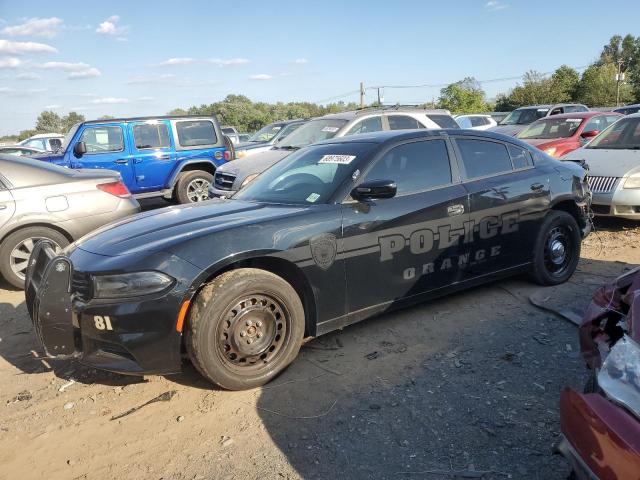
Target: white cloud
109,101
27,76
75,70
38,27
52,107
146,99
110,27
229,62
176,61
10,62
20,93
260,76
300,61
20,48
495,5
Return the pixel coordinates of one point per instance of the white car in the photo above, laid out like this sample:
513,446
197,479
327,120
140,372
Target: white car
613,158
475,121
44,141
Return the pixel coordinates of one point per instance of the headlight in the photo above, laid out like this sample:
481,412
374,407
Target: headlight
550,151
241,153
130,284
632,182
249,179
620,374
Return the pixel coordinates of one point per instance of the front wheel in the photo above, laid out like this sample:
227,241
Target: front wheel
557,249
244,328
193,186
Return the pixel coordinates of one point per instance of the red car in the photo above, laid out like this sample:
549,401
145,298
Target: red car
601,429
560,134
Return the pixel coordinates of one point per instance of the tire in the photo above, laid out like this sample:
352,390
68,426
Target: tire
193,186
557,249
16,248
244,328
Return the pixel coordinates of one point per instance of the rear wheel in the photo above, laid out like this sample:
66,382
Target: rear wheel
193,186
557,249
244,328
17,247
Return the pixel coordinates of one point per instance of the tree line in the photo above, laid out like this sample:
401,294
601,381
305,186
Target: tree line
596,87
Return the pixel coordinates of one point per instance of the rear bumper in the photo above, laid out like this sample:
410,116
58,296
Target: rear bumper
600,439
132,336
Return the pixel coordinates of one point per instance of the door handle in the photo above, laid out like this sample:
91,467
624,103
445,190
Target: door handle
164,157
3,207
536,187
121,161
453,210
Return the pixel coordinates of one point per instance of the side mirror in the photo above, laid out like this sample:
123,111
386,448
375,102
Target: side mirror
375,189
589,134
79,149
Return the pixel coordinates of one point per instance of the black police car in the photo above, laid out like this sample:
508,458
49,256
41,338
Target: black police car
333,234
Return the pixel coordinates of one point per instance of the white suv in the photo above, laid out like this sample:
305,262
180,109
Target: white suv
232,176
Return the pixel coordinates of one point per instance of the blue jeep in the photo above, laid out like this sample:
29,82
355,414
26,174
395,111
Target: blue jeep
172,157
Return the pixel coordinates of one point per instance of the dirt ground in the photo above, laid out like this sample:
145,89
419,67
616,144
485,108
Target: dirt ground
469,383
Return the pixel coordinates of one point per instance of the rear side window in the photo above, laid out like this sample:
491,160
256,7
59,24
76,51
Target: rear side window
37,143
103,139
373,124
464,122
151,135
478,121
482,158
55,143
193,133
403,122
443,121
414,166
519,156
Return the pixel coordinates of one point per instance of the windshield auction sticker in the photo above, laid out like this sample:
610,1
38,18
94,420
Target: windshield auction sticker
330,129
339,159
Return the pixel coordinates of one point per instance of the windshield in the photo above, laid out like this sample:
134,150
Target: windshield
65,143
524,116
551,128
266,133
312,132
310,176
286,131
622,135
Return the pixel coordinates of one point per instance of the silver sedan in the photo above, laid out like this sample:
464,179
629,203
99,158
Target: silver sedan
614,168
44,201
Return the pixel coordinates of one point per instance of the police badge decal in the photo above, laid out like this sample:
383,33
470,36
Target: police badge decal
323,250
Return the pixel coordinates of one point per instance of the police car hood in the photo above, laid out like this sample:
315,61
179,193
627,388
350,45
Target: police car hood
607,162
160,230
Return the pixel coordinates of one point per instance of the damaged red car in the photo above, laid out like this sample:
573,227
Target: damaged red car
601,427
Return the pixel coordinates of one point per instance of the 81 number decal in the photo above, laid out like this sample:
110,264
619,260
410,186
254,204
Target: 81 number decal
102,323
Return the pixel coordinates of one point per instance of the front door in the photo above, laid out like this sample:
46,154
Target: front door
508,200
153,153
106,149
403,246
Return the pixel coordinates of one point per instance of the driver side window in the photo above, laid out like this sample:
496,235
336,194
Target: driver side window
103,139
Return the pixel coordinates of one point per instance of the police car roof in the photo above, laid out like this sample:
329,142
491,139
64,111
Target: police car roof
399,135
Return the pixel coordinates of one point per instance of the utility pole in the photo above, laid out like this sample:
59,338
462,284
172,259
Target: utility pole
361,94
379,98
618,80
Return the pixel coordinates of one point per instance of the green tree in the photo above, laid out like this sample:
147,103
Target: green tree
564,85
177,111
49,122
598,87
465,96
70,120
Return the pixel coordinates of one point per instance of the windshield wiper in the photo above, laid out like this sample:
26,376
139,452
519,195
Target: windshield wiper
288,147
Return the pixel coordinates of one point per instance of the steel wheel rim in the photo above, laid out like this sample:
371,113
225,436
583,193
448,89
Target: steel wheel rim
558,251
19,256
253,332
198,190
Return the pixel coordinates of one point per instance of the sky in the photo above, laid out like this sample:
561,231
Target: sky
141,57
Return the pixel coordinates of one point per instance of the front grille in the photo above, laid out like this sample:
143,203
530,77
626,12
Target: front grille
81,285
224,181
602,184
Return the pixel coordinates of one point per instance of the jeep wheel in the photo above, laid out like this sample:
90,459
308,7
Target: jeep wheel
244,328
193,186
557,249
17,247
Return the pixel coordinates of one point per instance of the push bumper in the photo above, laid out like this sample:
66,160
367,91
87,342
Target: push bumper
135,336
600,440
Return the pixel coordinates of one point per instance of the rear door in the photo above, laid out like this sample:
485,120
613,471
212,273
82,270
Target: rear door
508,200
406,245
106,149
153,153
